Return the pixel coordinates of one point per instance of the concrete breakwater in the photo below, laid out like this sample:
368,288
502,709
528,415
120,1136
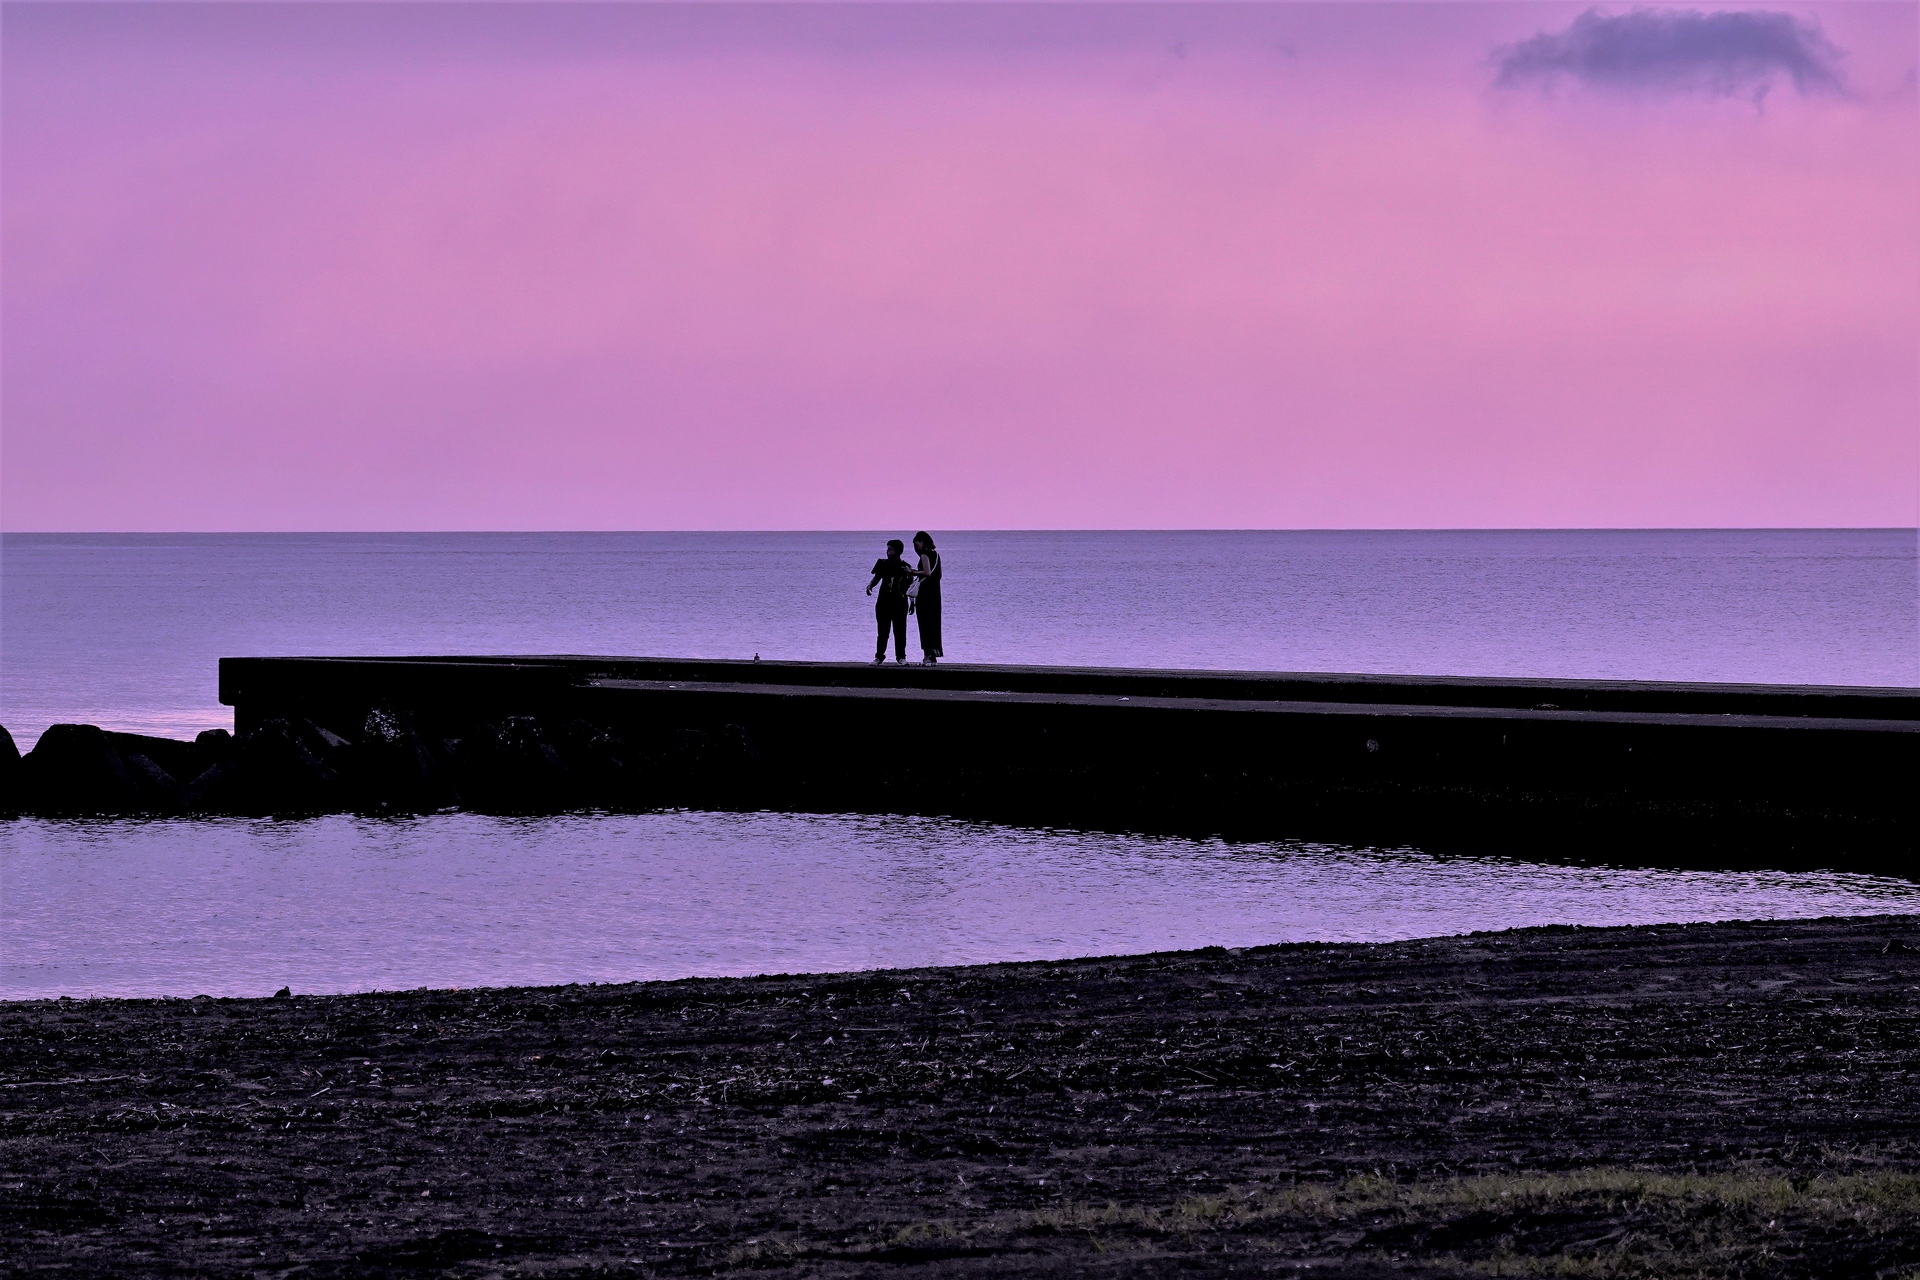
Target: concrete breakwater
1770,775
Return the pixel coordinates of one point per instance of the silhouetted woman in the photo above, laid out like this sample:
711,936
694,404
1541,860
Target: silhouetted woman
926,597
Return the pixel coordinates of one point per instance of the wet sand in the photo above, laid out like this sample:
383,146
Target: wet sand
1729,1099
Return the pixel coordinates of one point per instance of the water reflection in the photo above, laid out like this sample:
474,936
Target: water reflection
242,907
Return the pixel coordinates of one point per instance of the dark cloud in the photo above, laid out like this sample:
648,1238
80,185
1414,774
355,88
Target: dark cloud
1741,53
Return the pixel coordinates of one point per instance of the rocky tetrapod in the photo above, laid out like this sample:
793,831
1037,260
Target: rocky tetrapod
1766,775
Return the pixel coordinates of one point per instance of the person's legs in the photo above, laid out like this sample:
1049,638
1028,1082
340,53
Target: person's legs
890,620
900,633
929,612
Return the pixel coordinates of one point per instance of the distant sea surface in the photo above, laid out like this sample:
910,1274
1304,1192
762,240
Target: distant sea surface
126,631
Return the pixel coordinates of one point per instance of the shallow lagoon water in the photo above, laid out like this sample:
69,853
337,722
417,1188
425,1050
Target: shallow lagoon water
242,907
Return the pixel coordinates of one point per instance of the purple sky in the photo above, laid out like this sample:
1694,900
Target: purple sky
459,266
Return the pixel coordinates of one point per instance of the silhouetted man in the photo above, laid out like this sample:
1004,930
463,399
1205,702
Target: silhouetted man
893,576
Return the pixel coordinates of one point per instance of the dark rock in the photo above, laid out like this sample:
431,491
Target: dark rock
158,790
74,769
512,767
284,993
699,767
687,749
683,759
212,784
217,789
399,769
9,773
734,769
736,748
605,767
180,760
330,740
213,746
80,769
282,766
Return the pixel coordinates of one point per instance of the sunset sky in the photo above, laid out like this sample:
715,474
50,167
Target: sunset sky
568,266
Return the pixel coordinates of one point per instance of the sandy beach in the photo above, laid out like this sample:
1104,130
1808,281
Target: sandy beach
1719,1099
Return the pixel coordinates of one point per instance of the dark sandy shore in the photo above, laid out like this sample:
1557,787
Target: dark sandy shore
1732,1099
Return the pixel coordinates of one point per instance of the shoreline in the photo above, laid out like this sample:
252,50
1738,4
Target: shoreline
1426,1107
882,971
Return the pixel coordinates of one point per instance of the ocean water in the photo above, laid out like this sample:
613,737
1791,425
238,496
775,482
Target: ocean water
125,631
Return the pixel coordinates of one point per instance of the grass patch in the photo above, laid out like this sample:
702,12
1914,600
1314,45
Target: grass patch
1609,1224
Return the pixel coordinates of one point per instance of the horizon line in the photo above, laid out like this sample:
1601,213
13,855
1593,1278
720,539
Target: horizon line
961,529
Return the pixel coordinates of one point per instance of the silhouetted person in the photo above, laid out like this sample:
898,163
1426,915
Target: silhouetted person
893,576
926,598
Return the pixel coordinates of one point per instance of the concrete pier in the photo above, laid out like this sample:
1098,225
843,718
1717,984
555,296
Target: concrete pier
1674,773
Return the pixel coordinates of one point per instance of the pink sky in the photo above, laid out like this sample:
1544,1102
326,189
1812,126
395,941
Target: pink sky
583,267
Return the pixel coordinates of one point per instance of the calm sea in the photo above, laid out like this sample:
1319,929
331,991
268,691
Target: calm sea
124,631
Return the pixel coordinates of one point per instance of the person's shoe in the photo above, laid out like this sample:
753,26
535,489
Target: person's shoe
879,659
929,661
901,659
